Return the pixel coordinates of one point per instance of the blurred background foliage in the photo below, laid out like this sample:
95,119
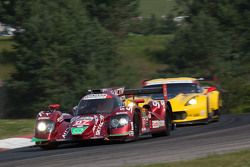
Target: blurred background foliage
62,48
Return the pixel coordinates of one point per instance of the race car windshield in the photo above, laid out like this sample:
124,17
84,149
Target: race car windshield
175,89
96,106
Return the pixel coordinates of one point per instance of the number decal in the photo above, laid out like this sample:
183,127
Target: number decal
156,104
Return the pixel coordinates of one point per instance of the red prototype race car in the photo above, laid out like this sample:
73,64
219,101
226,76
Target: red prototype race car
106,114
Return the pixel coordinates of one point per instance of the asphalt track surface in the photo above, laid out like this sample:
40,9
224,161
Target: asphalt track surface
231,133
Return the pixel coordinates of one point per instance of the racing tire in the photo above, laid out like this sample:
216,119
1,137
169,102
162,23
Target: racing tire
136,125
48,146
216,113
168,124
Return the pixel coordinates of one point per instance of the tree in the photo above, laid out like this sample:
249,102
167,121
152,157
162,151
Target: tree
214,41
60,54
114,15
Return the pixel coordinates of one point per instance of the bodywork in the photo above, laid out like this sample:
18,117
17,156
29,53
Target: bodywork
124,119
190,102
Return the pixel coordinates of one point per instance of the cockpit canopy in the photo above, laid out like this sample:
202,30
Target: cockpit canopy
98,104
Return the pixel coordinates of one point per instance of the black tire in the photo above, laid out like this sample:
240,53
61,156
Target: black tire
48,146
168,123
136,125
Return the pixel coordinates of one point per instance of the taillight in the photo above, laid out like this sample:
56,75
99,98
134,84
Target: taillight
211,89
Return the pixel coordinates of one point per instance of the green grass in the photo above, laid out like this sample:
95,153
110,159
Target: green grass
236,159
156,7
11,128
135,52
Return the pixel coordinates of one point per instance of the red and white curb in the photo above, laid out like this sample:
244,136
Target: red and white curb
15,142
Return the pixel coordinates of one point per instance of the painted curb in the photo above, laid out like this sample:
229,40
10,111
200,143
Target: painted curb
16,142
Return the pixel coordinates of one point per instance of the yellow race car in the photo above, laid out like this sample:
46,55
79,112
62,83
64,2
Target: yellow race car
189,102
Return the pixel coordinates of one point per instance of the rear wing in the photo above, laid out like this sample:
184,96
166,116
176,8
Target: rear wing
133,92
207,78
145,91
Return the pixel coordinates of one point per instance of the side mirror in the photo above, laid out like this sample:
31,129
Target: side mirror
211,89
53,107
74,110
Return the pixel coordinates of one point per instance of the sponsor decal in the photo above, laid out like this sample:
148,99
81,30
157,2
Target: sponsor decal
162,123
78,131
99,127
130,109
42,113
86,118
95,96
149,115
122,108
118,113
81,123
118,91
156,104
74,118
155,124
60,119
132,126
41,118
65,133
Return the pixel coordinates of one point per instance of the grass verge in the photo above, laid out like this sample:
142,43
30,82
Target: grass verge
136,53
236,159
16,127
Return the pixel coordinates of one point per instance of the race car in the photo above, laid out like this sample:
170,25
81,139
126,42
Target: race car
105,114
189,102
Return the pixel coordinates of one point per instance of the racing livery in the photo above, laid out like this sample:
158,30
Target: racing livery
190,103
106,114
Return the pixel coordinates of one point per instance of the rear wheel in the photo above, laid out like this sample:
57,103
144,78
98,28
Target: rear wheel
136,125
168,123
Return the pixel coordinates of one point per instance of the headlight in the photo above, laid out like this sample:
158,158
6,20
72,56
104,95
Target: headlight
114,123
45,126
123,121
41,126
191,102
119,121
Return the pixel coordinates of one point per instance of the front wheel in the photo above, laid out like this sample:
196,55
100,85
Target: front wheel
47,146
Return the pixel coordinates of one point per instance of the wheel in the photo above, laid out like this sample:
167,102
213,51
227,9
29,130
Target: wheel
168,122
216,115
47,146
136,125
